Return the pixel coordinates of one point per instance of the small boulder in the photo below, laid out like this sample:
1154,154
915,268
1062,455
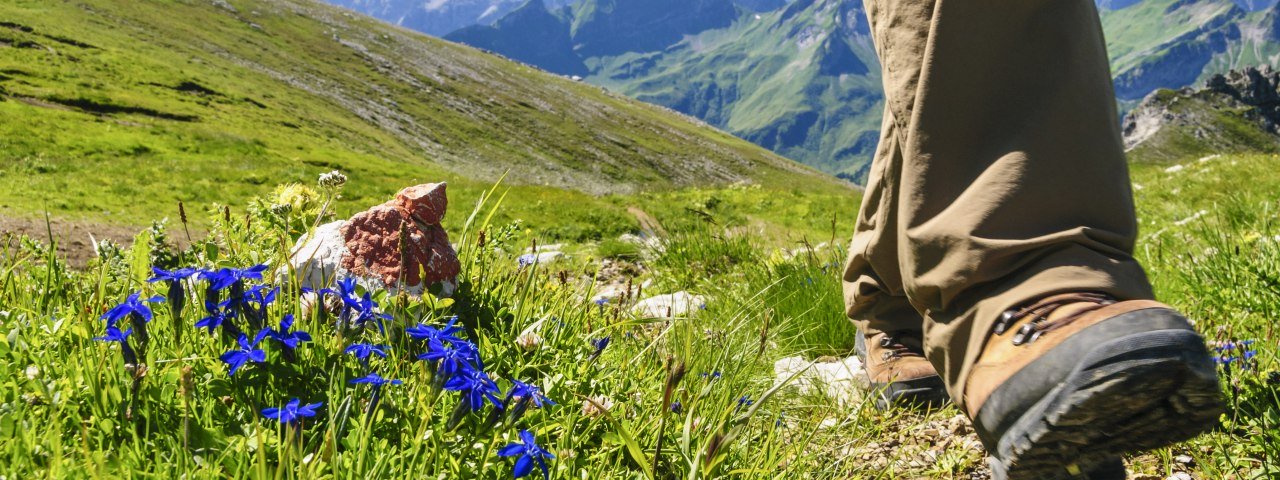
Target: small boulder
677,304
397,244
844,380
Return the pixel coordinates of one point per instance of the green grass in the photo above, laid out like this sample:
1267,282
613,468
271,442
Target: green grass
66,406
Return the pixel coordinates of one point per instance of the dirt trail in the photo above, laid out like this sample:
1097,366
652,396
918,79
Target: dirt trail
73,236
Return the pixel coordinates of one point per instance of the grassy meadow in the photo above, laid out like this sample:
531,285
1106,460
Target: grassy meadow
692,397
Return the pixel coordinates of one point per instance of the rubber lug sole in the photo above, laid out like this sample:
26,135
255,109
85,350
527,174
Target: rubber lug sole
921,393
1138,392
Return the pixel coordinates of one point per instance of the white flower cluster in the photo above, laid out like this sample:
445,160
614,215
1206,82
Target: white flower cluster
332,180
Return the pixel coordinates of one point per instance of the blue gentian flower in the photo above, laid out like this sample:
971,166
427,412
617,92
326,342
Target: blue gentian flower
712,375
526,393
364,351
454,357
366,310
133,307
601,301
346,291
228,277
745,401
375,380
529,453
115,335
248,352
446,334
291,413
600,344
234,279
122,337
177,290
217,318
676,407
263,297
527,260
476,387
287,337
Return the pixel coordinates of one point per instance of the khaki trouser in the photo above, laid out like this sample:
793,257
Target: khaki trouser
1000,176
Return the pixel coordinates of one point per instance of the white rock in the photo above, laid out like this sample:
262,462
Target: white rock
845,380
317,257
1180,476
545,257
677,304
554,247
1174,169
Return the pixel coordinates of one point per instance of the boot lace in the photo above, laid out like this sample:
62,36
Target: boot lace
1039,313
894,348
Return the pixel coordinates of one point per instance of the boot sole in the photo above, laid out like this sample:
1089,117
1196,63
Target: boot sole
1137,392
921,393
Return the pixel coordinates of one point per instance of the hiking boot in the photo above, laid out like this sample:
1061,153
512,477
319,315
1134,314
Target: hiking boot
898,372
1067,384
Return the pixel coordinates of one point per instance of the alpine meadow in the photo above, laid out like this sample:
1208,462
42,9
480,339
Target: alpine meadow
283,239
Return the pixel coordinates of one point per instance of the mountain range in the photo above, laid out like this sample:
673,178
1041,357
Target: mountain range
801,78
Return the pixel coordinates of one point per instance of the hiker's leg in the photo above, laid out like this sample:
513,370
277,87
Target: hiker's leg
1014,184
891,331
1013,192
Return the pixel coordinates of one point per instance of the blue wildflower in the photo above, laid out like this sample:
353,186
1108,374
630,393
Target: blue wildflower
291,413
248,352
286,336
134,308
115,335
529,453
676,407
745,401
346,291
363,351
375,380
218,318
122,337
712,375
453,358
263,297
228,277
476,387
601,301
366,310
527,260
446,334
177,290
527,394
600,344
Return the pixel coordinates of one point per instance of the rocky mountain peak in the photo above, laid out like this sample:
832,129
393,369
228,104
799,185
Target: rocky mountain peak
1236,111
1256,87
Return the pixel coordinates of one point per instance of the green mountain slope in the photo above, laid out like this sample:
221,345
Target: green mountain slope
114,109
802,81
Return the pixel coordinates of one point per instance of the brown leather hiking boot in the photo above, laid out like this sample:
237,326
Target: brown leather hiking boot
898,371
1067,384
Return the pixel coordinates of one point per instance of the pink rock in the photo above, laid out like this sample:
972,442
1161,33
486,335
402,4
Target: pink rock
425,203
374,237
